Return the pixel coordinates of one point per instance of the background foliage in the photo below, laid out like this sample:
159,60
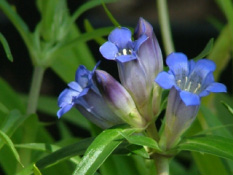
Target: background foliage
57,43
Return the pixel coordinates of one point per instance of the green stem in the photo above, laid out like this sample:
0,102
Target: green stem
35,89
165,26
152,131
31,124
162,164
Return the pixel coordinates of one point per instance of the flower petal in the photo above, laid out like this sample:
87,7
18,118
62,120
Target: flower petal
165,80
202,68
178,64
81,76
109,50
66,97
120,37
75,86
216,87
189,98
139,41
64,110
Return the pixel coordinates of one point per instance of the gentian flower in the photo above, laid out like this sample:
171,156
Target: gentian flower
192,80
118,99
85,96
137,65
189,82
120,47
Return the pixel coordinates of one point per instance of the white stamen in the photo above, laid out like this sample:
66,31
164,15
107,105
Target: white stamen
189,85
198,87
124,51
178,82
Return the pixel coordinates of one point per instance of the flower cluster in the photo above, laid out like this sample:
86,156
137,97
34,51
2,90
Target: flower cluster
136,100
105,101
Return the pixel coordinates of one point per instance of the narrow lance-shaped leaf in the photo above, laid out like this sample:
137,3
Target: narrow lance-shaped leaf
109,14
6,47
100,149
206,51
87,6
230,109
8,141
36,170
215,145
142,141
64,153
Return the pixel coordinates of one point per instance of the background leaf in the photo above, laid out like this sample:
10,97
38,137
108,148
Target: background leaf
215,145
6,47
8,142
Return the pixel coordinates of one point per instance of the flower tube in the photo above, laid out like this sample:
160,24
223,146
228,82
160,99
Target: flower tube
118,99
189,82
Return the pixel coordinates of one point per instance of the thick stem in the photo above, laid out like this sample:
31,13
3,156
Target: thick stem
162,164
31,125
165,26
35,89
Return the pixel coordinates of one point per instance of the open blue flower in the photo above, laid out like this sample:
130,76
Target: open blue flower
192,80
120,47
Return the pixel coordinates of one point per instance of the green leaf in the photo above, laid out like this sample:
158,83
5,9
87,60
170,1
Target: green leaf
11,123
68,56
142,141
9,97
89,28
64,153
215,145
6,47
206,51
104,144
230,109
8,141
138,150
205,164
4,109
36,170
110,16
221,51
17,21
45,147
215,125
84,37
87,6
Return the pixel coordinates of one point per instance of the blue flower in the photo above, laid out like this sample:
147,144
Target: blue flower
78,88
192,80
85,96
120,47
138,62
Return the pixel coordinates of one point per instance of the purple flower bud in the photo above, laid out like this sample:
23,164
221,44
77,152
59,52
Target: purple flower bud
85,96
149,52
189,82
118,99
